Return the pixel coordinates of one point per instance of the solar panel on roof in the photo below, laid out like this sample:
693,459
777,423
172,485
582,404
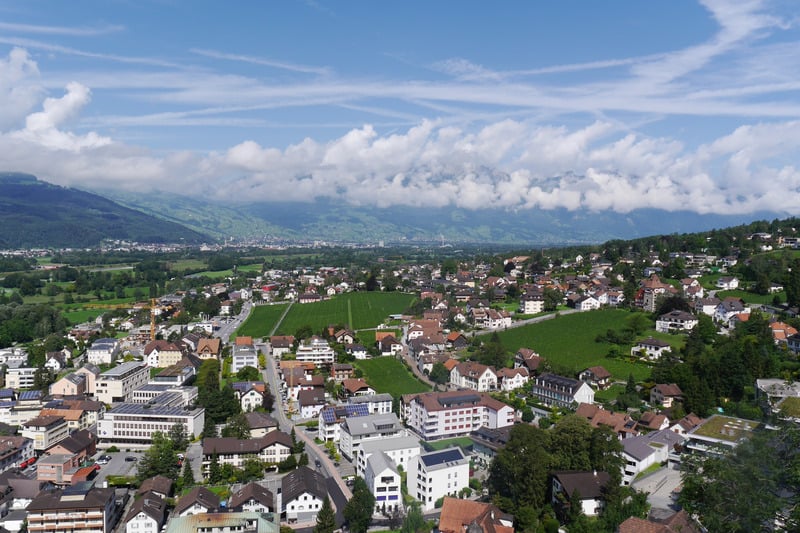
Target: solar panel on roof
448,455
6,393
30,395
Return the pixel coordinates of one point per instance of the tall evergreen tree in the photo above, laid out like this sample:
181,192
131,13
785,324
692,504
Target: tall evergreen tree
326,518
358,511
188,475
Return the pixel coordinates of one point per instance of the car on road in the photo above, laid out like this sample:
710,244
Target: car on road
317,463
130,458
103,459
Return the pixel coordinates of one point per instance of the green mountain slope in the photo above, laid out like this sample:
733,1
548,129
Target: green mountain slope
35,213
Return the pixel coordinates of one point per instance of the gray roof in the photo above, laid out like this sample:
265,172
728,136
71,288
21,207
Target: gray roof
378,462
392,443
382,397
637,447
123,369
201,495
300,480
364,425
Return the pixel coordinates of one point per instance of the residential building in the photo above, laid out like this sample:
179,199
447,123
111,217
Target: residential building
679,522
82,444
510,379
272,448
243,355
596,376
560,391
437,415
159,485
331,418
91,372
728,283
250,394
133,423
147,514
14,451
302,493
81,508
252,498
487,442
376,403
316,350
355,431
45,431
460,516
20,378
718,433
354,387
531,303
161,354
621,423
281,344
650,349
311,402
590,487
676,321
72,384
117,384
436,474
209,348
401,450
665,394
475,376
260,424
198,501
643,451
58,468
103,351
383,480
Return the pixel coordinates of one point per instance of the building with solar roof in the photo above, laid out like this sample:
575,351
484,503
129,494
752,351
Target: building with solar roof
331,418
135,423
434,475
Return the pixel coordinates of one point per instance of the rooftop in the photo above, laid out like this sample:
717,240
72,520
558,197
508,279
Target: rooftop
725,428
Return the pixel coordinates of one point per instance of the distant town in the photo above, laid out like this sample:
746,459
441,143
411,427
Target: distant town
615,387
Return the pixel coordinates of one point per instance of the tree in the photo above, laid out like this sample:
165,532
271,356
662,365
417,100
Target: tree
358,511
326,518
237,427
248,373
159,459
518,474
439,374
214,469
209,428
188,474
414,522
177,434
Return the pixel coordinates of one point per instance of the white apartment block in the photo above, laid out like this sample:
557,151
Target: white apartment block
384,482
437,474
316,350
356,431
243,355
475,376
401,450
103,351
117,385
150,391
377,404
20,378
437,415
272,448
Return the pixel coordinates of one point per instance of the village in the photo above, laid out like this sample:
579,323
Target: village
290,397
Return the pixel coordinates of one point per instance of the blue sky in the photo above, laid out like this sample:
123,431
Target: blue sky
521,105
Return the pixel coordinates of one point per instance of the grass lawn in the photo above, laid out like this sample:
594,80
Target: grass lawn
186,264
611,393
367,336
84,315
357,309
261,320
387,374
465,443
751,297
677,341
569,341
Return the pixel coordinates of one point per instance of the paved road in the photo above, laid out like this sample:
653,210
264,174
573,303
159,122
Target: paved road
527,321
659,486
337,488
229,328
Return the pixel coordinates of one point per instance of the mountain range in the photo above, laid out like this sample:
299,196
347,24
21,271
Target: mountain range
36,213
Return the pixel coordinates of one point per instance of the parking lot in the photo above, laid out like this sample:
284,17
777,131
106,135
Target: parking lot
117,465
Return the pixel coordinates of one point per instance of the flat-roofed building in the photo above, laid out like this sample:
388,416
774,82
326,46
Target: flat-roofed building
357,430
434,475
117,385
135,423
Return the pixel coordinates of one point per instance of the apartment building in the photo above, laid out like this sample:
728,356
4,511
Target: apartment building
78,508
45,431
20,378
437,415
243,355
383,480
103,351
437,474
14,451
401,450
356,431
272,448
475,376
560,391
117,385
316,350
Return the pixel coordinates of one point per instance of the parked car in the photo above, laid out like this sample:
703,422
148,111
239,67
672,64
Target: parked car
130,458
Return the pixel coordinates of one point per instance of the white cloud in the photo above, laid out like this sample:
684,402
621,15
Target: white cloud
20,88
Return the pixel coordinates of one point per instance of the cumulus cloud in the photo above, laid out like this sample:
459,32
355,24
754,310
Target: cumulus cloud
19,87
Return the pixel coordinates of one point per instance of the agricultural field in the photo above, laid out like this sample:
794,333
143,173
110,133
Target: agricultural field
261,320
387,374
357,309
84,315
569,341
751,297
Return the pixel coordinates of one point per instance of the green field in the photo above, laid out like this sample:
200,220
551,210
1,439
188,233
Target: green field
78,317
261,320
569,341
357,309
387,374
752,298
465,443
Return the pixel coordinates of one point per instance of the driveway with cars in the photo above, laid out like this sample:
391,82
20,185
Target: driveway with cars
117,465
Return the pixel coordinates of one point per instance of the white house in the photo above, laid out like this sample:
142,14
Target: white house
676,321
650,348
587,303
147,514
475,376
590,487
512,378
302,493
436,474
726,283
316,350
103,351
551,389
531,303
383,480
642,451
355,431
401,450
